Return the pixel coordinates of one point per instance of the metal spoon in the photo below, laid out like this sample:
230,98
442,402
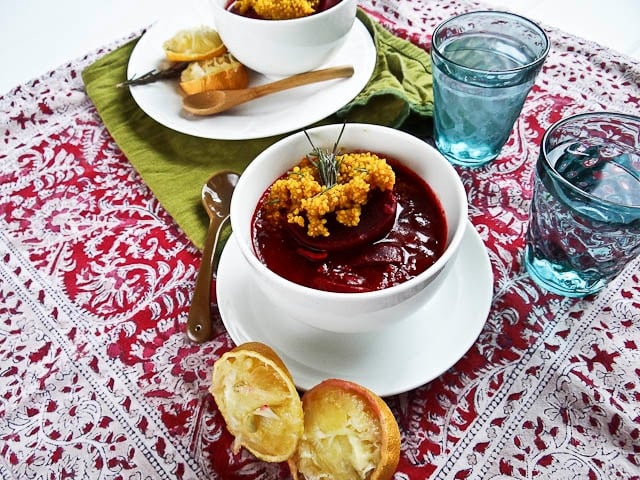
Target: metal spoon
216,199
211,102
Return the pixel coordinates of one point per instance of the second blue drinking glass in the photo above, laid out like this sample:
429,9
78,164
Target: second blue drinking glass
484,65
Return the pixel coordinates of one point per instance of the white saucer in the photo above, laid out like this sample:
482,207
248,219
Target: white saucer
394,360
270,115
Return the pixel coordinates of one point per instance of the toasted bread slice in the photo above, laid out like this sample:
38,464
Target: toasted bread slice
219,73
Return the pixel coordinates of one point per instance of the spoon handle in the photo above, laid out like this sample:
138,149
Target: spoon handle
302,79
199,321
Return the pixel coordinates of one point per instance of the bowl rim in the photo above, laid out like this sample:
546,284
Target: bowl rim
246,247
290,21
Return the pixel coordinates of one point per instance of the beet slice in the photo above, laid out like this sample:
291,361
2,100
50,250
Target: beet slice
376,220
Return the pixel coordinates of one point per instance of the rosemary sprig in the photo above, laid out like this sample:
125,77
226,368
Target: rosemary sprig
151,76
326,161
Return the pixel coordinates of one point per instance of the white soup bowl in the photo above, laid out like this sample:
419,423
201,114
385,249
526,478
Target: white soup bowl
350,312
278,48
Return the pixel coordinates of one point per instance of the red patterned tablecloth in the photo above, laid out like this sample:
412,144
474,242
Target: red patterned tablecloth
97,378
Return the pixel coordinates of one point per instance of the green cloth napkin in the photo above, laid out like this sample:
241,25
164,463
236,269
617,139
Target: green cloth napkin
175,165
401,83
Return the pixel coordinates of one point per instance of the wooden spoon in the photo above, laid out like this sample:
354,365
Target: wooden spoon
211,102
216,199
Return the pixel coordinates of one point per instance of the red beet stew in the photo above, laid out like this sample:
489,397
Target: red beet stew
278,9
416,239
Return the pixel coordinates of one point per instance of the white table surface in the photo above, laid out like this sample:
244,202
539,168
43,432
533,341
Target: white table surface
37,35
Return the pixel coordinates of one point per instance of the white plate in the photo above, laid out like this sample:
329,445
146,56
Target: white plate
397,359
270,115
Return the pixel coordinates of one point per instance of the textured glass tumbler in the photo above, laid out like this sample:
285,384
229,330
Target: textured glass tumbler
584,223
484,65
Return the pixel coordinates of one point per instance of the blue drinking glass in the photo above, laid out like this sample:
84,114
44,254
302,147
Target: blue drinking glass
484,64
584,223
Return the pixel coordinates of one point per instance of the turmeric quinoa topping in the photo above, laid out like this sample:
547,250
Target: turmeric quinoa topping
278,9
306,200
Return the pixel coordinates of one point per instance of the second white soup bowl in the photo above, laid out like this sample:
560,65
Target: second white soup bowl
278,48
